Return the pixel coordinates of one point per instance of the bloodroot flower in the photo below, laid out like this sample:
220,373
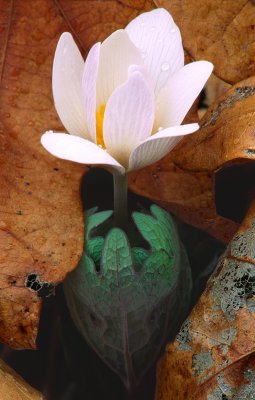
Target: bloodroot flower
123,110
124,106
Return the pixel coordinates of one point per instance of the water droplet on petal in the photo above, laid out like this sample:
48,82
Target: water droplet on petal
165,66
160,128
173,30
50,131
99,145
64,50
142,24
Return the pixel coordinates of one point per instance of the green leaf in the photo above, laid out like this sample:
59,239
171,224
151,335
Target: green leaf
94,249
94,220
139,257
159,230
158,275
125,309
117,262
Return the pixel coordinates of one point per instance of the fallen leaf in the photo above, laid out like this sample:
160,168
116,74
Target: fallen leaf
13,387
218,31
213,355
186,180
41,219
226,132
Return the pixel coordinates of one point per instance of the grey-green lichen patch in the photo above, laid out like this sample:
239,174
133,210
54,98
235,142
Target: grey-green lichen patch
239,94
233,287
201,362
247,391
223,390
228,335
242,245
251,305
234,279
213,342
183,337
217,395
224,349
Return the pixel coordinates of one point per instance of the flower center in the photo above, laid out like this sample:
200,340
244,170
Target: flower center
99,125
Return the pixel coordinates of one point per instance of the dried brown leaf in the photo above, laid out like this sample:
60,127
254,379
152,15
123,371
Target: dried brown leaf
226,133
213,355
41,219
13,387
219,31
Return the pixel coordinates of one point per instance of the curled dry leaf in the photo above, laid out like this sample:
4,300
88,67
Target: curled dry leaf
41,219
219,31
187,180
226,133
13,387
213,355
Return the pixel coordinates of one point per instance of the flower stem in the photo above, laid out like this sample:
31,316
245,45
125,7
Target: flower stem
120,183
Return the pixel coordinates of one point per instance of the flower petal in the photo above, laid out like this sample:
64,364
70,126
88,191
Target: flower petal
159,40
129,116
180,92
158,145
89,84
77,149
66,85
116,55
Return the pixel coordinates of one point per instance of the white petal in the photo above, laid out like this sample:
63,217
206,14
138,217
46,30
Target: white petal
89,84
158,145
144,72
129,116
66,85
180,92
74,148
159,40
116,55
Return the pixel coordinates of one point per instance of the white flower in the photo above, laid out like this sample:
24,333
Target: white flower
124,106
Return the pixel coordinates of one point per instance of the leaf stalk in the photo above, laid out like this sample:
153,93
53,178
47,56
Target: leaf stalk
120,183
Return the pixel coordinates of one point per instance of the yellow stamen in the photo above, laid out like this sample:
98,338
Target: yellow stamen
99,125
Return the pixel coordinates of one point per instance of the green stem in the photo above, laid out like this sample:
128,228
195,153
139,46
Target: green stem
120,183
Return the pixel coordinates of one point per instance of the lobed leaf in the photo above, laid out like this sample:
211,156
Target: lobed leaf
125,310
